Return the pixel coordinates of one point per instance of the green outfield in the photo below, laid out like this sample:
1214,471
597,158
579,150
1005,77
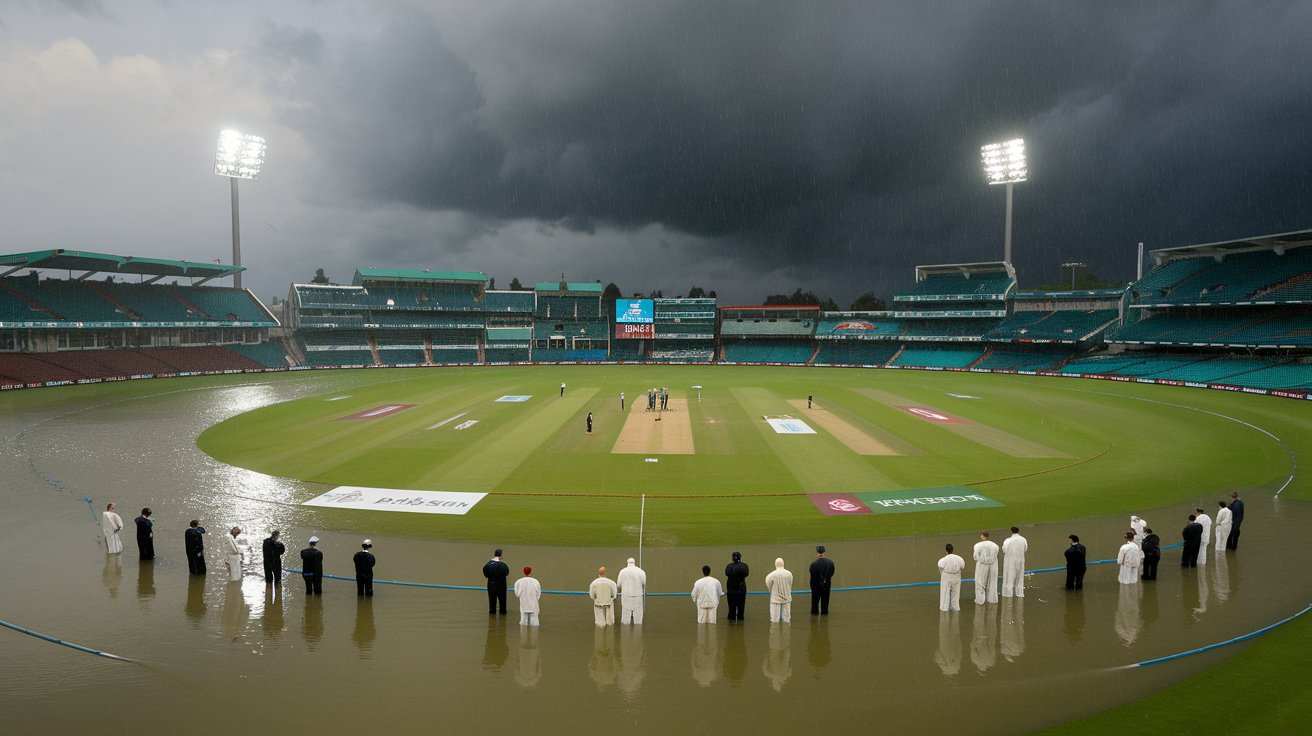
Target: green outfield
1045,449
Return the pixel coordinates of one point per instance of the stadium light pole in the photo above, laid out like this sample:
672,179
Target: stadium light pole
1072,267
1004,163
239,157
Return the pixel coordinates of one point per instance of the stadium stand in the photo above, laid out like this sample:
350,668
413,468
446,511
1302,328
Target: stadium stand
855,352
767,351
938,357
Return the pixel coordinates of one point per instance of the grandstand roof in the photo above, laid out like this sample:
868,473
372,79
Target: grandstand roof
589,287
964,268
777,306
1077,294
416,274
81,260
1221,249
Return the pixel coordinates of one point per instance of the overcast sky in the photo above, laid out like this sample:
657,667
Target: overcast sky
747,147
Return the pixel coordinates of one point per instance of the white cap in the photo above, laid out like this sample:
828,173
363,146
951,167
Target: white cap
313,540
368,543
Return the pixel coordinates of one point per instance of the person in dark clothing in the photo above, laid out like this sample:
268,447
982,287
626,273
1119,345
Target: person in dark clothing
589,422
496,573
145,534
1236,518
1076,557
809,397
364,569
822,573
273,550
312,568
1152,553
735,586
1193,539
195,541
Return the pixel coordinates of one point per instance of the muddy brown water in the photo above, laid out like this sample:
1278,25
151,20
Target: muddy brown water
217,656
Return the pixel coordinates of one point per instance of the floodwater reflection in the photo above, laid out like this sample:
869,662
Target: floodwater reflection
113,574
1221,569
735,654
818,651
705,667
312,621
236,611
778,665
984,637
1128,621
602,666
196,606
365,632
145,582
1013,628
495,649
1073,621
528,668
633,661
273,617
948,656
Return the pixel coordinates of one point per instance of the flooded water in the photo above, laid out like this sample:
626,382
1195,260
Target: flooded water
215,656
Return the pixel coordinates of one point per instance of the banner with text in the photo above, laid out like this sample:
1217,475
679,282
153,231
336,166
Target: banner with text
388,499
631,331
949,498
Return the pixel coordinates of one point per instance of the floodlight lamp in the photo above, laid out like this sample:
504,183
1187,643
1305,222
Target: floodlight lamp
239,156
1004,163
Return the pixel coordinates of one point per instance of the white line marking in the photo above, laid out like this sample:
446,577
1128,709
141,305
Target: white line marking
465,425
448,420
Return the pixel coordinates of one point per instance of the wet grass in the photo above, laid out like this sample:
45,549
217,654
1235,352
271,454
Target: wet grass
1261,690
1129,447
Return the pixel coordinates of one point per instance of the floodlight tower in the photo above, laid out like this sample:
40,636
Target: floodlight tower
1073,267
239,157
1004,163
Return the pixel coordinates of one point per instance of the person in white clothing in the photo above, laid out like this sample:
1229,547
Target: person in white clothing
603,593
1013,564
780,585
232,556
986,570
528,590
1129,559
1206,521
1138,525
111,524
706,593
949,581
632,585
1224,523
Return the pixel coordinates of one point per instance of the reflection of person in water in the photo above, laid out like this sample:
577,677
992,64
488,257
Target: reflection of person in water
601,668
1074,623
272,617
528,669
145,581
818,651
1127,614
735,655
984,638
632,661
1013,628
195,607
365,632
948,656
312,623
113,574
778,665
495,650
236,612
704,654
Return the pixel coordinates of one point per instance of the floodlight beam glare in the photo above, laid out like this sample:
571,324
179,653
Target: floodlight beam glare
1004,163
239,155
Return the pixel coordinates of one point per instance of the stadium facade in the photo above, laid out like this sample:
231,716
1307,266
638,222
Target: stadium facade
1234,314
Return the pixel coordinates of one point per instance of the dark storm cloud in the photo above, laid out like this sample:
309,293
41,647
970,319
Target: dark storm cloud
838,142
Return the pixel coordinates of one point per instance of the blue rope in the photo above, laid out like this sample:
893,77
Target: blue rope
1226,643
69,644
